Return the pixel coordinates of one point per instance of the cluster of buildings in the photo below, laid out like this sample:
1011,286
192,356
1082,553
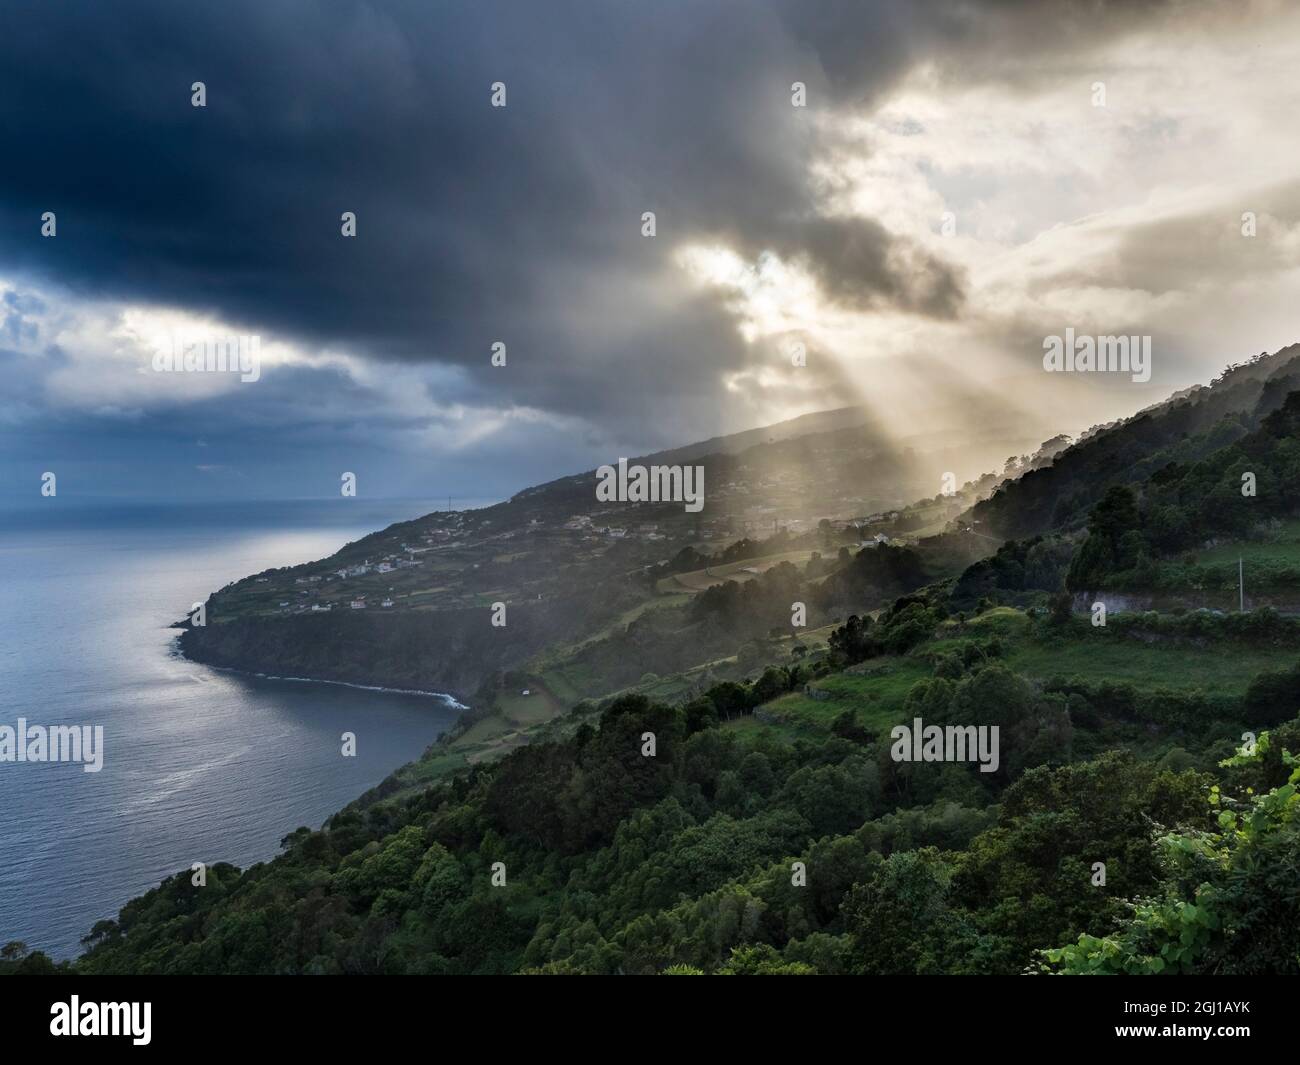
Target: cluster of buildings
583,523
401,560
385,565
359,603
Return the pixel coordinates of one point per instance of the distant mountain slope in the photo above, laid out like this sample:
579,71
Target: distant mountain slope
409,606
1184,428
829,464
1247,489
805,425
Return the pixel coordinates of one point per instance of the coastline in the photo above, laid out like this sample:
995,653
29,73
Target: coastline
448,697
447,656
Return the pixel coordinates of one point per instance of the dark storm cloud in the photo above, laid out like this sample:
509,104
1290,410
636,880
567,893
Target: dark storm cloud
474,224
1009,41
858,264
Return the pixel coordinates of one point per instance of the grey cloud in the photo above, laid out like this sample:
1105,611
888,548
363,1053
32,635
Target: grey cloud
464,211
474,224
859,264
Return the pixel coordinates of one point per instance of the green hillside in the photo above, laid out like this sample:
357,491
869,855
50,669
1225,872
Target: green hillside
619,862
707,773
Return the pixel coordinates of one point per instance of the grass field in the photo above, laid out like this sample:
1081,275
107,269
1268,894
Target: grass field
1281,552
531,709
1225,669
875,689
1215,668
875,695
555,656
788,729
490,728
559,683
1270,567
700,579
1283,547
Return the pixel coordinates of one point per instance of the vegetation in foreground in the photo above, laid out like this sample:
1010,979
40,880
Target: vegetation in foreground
762,839
746,815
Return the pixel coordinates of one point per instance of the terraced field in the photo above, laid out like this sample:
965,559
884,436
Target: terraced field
744,570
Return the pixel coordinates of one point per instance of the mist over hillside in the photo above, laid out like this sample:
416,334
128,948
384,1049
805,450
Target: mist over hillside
890,418
409,606
691,692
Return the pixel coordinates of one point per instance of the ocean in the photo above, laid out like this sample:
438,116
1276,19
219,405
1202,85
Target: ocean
199,765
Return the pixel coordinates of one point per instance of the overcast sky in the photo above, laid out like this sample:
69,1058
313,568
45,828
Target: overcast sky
1092,162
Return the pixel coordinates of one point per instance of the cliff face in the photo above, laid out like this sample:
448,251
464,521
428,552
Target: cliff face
443,651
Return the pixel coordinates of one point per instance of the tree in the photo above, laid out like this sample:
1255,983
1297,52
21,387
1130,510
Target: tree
900,919
1272,697
1106,550
1227,903
845,725
1062,605
852,641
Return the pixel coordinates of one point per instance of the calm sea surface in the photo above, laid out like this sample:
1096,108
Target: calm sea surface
199,764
